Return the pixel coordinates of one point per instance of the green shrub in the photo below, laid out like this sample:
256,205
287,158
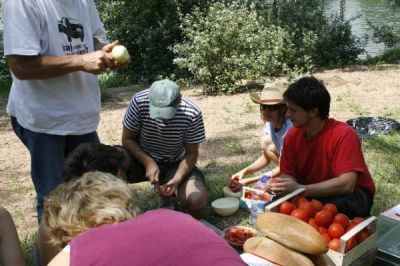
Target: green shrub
227,43
322,40
384,34
336,45
148,29
5,75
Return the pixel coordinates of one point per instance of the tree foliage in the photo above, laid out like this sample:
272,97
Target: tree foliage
335,44
5,75
147,29
228,43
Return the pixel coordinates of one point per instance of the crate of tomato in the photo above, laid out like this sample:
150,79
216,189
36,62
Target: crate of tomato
351,242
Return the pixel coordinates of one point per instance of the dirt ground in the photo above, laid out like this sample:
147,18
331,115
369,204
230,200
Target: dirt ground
233,128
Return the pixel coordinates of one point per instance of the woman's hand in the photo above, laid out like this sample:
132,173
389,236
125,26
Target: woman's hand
239,175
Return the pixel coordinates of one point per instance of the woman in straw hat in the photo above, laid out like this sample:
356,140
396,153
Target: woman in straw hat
272,109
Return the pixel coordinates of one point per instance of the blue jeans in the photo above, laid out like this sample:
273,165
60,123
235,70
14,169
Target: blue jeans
47,157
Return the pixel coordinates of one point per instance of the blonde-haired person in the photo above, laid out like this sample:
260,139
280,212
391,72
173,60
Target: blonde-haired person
273,111
94,199
94,220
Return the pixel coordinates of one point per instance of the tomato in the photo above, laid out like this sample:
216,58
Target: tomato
351,243
326,237
323,218
357,220
300,214
308,208
351,226
233,182
266,197
362,235
312,223
332,208
317,205
334,244
299,199
341,219
286,207
322,229
238,235
336,230
247,195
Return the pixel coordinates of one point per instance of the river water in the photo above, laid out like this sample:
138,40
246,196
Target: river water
376,11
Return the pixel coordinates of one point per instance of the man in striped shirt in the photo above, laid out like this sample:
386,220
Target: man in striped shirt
162,131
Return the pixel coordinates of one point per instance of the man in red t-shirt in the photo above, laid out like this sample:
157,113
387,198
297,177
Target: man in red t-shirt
321,154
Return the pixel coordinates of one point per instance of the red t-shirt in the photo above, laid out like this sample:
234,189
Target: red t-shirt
334,151
158,237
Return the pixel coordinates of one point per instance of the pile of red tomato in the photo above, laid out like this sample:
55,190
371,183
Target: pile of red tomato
325,219
238,235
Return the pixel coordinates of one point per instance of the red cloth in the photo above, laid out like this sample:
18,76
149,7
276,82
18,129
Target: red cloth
159,237
334,151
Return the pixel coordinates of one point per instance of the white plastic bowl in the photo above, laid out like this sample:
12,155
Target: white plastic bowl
225,206
229,193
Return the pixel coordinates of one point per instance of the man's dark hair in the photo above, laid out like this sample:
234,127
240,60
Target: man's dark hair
308,93
93,157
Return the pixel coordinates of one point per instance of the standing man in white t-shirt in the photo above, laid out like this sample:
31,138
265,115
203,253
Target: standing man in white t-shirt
54,49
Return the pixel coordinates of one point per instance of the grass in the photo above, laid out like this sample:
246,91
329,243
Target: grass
5,86
382,155
112,79
28,244
235,146
390,56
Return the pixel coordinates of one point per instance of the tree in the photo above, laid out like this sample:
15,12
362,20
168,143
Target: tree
227,43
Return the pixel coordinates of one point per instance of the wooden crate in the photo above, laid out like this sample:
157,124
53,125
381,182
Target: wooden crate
362,254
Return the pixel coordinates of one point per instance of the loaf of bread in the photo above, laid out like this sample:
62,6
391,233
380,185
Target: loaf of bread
275,252
291,232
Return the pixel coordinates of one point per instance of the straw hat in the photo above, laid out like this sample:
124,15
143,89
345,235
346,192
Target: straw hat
271,94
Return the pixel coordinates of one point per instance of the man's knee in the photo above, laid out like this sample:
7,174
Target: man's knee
197,201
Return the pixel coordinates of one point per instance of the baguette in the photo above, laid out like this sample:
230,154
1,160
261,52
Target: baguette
275,252
291,232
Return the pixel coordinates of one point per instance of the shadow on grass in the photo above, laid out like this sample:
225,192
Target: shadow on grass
383,158
385,150
28,244
147,200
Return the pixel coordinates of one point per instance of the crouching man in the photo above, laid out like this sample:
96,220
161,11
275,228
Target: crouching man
162,131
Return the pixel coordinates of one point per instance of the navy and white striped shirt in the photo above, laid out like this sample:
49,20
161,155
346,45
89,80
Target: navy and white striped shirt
163,140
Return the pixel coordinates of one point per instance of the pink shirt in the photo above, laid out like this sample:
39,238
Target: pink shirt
158,237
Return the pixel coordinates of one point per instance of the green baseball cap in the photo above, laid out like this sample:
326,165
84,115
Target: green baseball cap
164,96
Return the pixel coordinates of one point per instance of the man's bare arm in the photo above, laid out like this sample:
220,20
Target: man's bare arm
46,67
188,162
343,184
130,143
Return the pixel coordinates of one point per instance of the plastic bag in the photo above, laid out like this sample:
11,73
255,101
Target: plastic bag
373,126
